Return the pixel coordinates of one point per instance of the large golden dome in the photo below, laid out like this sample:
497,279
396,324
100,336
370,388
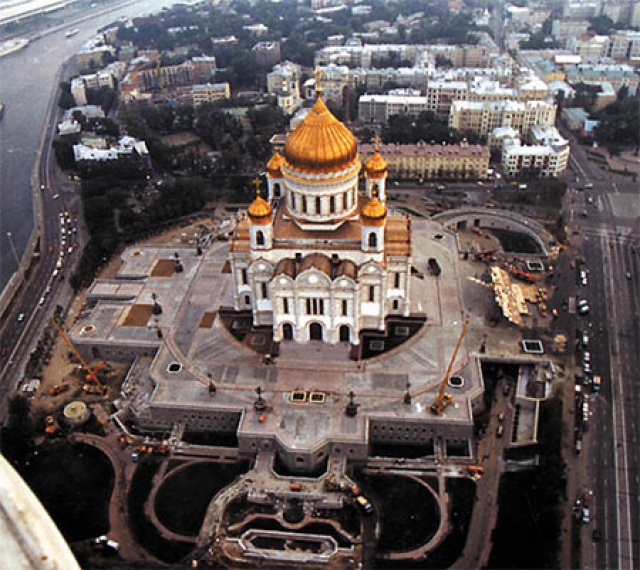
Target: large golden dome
374,212
320,143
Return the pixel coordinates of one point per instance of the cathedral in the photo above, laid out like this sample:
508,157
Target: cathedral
316,259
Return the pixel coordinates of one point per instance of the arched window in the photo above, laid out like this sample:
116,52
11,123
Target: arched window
373,240
247,301
332,205
345,201
396,305
276,190
260,237
318,205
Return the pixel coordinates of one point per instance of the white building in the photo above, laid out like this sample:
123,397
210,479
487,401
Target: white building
546,157
314,259
210,92
482,118
288,72
126,146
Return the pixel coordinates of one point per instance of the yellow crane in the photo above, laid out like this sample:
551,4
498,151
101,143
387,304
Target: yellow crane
443,399
91,373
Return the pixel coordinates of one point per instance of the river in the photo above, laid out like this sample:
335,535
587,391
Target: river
27,84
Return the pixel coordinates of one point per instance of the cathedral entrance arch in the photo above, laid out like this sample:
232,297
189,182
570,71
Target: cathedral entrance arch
287,331
345,334
315,331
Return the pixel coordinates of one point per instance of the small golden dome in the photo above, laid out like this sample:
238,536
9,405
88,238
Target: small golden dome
274,166
374,212
259,211
376,166
321,142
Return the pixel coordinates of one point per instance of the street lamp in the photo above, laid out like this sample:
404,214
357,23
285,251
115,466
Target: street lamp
13,250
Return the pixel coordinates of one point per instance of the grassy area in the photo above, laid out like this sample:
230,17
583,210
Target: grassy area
408,513
74,483
145,533
527,533
515,242
183,499
545,194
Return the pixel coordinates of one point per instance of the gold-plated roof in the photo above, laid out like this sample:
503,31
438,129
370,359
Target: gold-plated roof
376,166
320,143
374,212
259,211
274,166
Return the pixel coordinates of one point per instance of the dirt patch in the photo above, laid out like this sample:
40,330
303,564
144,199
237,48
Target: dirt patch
180,139
164,268
138,316
207,320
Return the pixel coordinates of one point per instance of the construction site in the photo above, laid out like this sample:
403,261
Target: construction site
311,421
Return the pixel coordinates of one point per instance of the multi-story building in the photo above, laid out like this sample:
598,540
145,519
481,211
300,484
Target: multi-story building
589,46
546,157
267,54
204,68
562,30
618,76
285,72
440,95
93,55
378,108
624,45
482,118
354,54
427,161
209,92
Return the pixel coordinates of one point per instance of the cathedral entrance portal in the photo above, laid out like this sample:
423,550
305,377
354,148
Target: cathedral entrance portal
315,331
287,331
345,334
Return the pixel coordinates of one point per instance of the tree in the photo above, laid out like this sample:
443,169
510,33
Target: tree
65,99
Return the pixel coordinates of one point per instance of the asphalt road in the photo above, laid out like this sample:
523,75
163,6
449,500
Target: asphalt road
610,244
35,303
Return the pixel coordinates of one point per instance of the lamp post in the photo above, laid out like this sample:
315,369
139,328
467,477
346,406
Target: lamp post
15,254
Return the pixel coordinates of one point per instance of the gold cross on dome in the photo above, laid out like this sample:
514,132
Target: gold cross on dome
257,181
376,143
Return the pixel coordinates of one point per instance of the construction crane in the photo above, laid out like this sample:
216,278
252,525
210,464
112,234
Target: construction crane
91,372
443,399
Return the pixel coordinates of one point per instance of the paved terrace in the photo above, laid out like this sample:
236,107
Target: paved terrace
206,351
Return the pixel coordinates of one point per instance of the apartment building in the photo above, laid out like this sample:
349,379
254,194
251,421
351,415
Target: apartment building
618,76
209,93
482,118
624,45
354,54
204,67
428,161
589,46
288,73
546,157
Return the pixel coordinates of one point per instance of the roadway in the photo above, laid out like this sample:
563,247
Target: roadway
610,243
39,294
